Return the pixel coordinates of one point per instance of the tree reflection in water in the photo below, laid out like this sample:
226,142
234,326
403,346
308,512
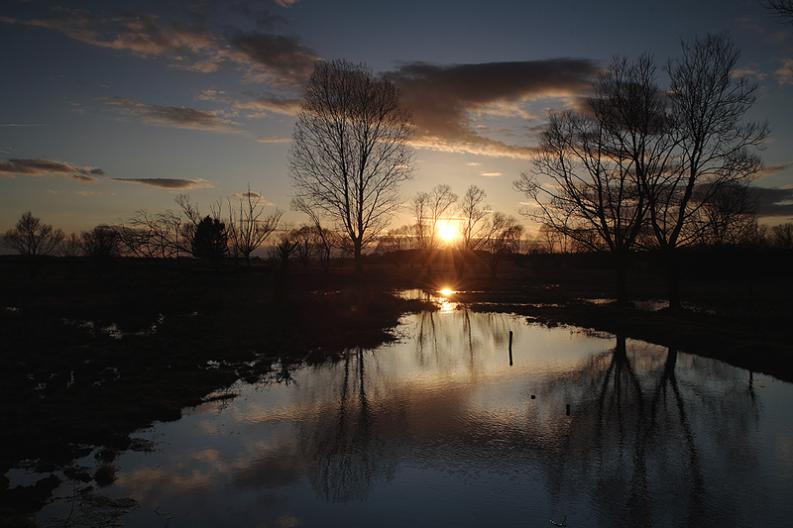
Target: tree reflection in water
347,453
632,438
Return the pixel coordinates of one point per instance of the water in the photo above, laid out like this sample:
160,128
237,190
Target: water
439,429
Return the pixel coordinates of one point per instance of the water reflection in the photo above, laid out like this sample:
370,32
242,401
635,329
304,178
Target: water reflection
439,429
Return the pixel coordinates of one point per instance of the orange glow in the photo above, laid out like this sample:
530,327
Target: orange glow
446,291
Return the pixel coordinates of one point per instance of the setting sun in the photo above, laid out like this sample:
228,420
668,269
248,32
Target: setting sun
447,231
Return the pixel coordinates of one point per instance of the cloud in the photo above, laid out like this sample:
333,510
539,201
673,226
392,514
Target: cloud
254,106
771,170
265,105
784,75
492,174
253,195
273,139
748,73
190,44
473,164
44,167
286,3
442,98
772,201
282,59
174,116
168,183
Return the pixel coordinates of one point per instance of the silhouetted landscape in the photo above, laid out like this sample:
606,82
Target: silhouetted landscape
543,292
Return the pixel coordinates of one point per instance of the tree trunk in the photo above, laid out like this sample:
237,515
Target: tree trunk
673,284
357,256
621,272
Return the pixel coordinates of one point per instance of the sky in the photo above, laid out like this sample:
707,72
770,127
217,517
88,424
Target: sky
109,107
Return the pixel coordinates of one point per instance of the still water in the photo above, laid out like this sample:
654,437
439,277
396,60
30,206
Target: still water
443,428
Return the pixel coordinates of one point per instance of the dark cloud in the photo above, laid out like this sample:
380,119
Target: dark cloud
441,98
772,202
168,183
174,116
44,167
282,58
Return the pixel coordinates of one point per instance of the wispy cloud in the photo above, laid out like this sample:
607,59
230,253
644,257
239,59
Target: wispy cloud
784,75
273,139
442,98
173,116
253,195
45,167
168,183
189,43
491,174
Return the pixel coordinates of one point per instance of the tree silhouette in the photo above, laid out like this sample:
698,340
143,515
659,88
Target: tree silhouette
210,240
713,147
349,153
595,158
31,238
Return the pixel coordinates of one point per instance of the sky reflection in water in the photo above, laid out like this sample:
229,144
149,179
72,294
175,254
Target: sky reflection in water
439,430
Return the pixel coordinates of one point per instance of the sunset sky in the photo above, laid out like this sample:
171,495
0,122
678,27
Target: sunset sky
107,107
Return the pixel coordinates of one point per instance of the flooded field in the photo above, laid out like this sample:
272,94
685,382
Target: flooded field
459,423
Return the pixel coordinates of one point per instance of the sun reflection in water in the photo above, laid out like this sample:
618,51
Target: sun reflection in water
446,294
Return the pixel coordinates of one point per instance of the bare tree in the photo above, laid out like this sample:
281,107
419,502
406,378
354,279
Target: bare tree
160,235
474,213
726,218
421,228
441,203
31,238
102,242
70,247
781,236
713,147
503,239
349,153
248,226
305,238
326,239
594,159
782,8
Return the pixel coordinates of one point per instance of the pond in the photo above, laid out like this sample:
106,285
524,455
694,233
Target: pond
445,427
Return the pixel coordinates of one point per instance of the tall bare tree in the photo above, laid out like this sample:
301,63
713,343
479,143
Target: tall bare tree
474,213
31,237
594,159
349,154
713,147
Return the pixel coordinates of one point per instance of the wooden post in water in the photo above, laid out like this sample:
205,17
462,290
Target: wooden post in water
510,348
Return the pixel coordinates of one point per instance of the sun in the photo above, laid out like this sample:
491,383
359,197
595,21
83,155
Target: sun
447,231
